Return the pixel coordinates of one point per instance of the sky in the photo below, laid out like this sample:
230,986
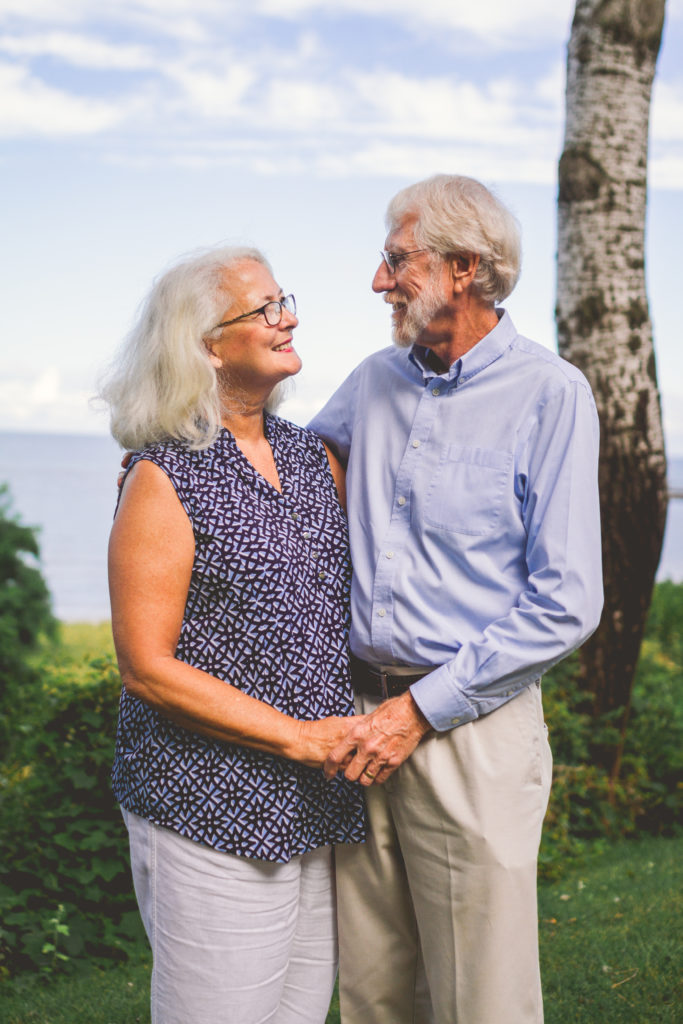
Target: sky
135,131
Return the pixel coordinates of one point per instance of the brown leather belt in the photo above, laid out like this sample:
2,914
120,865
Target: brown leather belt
383,681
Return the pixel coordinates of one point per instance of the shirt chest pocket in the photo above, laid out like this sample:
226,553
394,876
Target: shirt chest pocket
466,494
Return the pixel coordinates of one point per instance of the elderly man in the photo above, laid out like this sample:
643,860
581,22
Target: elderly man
473,509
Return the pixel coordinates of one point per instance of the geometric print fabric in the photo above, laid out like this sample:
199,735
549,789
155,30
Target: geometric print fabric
267,611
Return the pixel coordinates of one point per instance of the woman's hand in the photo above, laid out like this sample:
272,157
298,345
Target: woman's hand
314,741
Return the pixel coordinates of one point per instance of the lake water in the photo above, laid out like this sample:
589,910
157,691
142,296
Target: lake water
66,485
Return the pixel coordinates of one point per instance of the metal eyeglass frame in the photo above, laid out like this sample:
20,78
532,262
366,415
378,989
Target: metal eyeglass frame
394,259
288,303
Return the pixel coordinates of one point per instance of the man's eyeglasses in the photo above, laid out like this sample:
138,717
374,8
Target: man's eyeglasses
394,260
272,312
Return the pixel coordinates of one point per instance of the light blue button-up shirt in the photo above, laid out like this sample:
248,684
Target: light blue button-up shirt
473,515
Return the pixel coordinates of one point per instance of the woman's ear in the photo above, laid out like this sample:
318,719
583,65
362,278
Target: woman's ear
215,360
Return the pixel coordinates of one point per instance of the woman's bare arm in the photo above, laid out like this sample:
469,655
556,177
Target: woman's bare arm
151,552
338,474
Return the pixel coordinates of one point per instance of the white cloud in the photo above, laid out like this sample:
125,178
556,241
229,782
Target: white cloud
29,107
672,408
78,50
28,401
296,105
411,160
550,88
666,171
486,16
491,20
274,108
666,122
211,94
444,108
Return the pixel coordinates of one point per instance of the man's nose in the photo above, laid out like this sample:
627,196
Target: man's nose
383,281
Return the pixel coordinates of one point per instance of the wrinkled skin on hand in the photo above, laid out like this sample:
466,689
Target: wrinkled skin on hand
316,740
378,743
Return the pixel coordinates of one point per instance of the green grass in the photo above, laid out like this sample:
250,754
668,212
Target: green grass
81,641
611,937
117,995
610,941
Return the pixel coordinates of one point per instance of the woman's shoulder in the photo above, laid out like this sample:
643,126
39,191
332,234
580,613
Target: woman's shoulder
171,452
292,432
190,470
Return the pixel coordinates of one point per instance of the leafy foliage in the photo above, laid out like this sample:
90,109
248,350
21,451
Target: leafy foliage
66,857
25,613
585,803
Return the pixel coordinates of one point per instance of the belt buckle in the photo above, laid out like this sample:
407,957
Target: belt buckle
383,685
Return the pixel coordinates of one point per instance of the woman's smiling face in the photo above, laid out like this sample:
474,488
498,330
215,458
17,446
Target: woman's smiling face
254,356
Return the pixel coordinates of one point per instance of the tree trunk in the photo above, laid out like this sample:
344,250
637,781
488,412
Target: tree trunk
603,319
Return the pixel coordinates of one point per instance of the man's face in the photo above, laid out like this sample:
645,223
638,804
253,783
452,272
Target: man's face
417,288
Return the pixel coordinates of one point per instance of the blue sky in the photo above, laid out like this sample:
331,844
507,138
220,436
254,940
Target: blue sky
135,131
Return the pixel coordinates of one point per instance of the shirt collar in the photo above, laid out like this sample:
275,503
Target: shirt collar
481,355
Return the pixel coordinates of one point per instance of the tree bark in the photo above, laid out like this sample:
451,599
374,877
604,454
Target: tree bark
602,313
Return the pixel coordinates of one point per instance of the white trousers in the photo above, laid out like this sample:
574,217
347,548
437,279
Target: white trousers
437,910
235,941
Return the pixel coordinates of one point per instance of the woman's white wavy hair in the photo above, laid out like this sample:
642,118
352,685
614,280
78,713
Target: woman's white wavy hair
162,384
458,215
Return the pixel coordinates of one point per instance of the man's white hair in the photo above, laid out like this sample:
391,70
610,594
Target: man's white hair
456,216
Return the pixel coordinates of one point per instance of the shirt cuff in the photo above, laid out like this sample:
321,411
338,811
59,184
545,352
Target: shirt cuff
442,704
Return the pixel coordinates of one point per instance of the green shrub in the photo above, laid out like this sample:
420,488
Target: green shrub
584,803
654,738
25,614
66,857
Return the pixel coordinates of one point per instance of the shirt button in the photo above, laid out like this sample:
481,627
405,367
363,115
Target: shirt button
436,391
455,721
382,612
401,500
315,554
416,444
306,535
390,554
295,515
322,574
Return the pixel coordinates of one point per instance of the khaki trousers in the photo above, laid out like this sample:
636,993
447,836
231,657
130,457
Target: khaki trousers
439,905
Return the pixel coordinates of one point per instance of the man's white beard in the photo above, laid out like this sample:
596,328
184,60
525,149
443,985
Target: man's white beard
419,312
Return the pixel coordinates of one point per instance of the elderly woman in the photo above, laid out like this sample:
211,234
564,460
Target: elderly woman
229,577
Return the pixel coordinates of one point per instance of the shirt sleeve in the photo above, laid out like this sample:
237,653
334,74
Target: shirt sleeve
334,422
562,602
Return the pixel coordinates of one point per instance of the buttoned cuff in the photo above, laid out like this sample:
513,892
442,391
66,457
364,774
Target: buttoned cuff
441,702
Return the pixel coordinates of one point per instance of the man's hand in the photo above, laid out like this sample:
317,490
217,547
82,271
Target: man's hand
379,742
127,456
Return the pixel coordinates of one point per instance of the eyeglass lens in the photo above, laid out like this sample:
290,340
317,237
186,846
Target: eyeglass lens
273,310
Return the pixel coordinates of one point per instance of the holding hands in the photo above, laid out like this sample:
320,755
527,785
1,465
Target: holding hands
376,744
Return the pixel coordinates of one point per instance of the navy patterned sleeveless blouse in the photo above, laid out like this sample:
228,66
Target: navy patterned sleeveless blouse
267,611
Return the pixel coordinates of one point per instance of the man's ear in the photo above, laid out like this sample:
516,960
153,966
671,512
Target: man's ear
463,269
